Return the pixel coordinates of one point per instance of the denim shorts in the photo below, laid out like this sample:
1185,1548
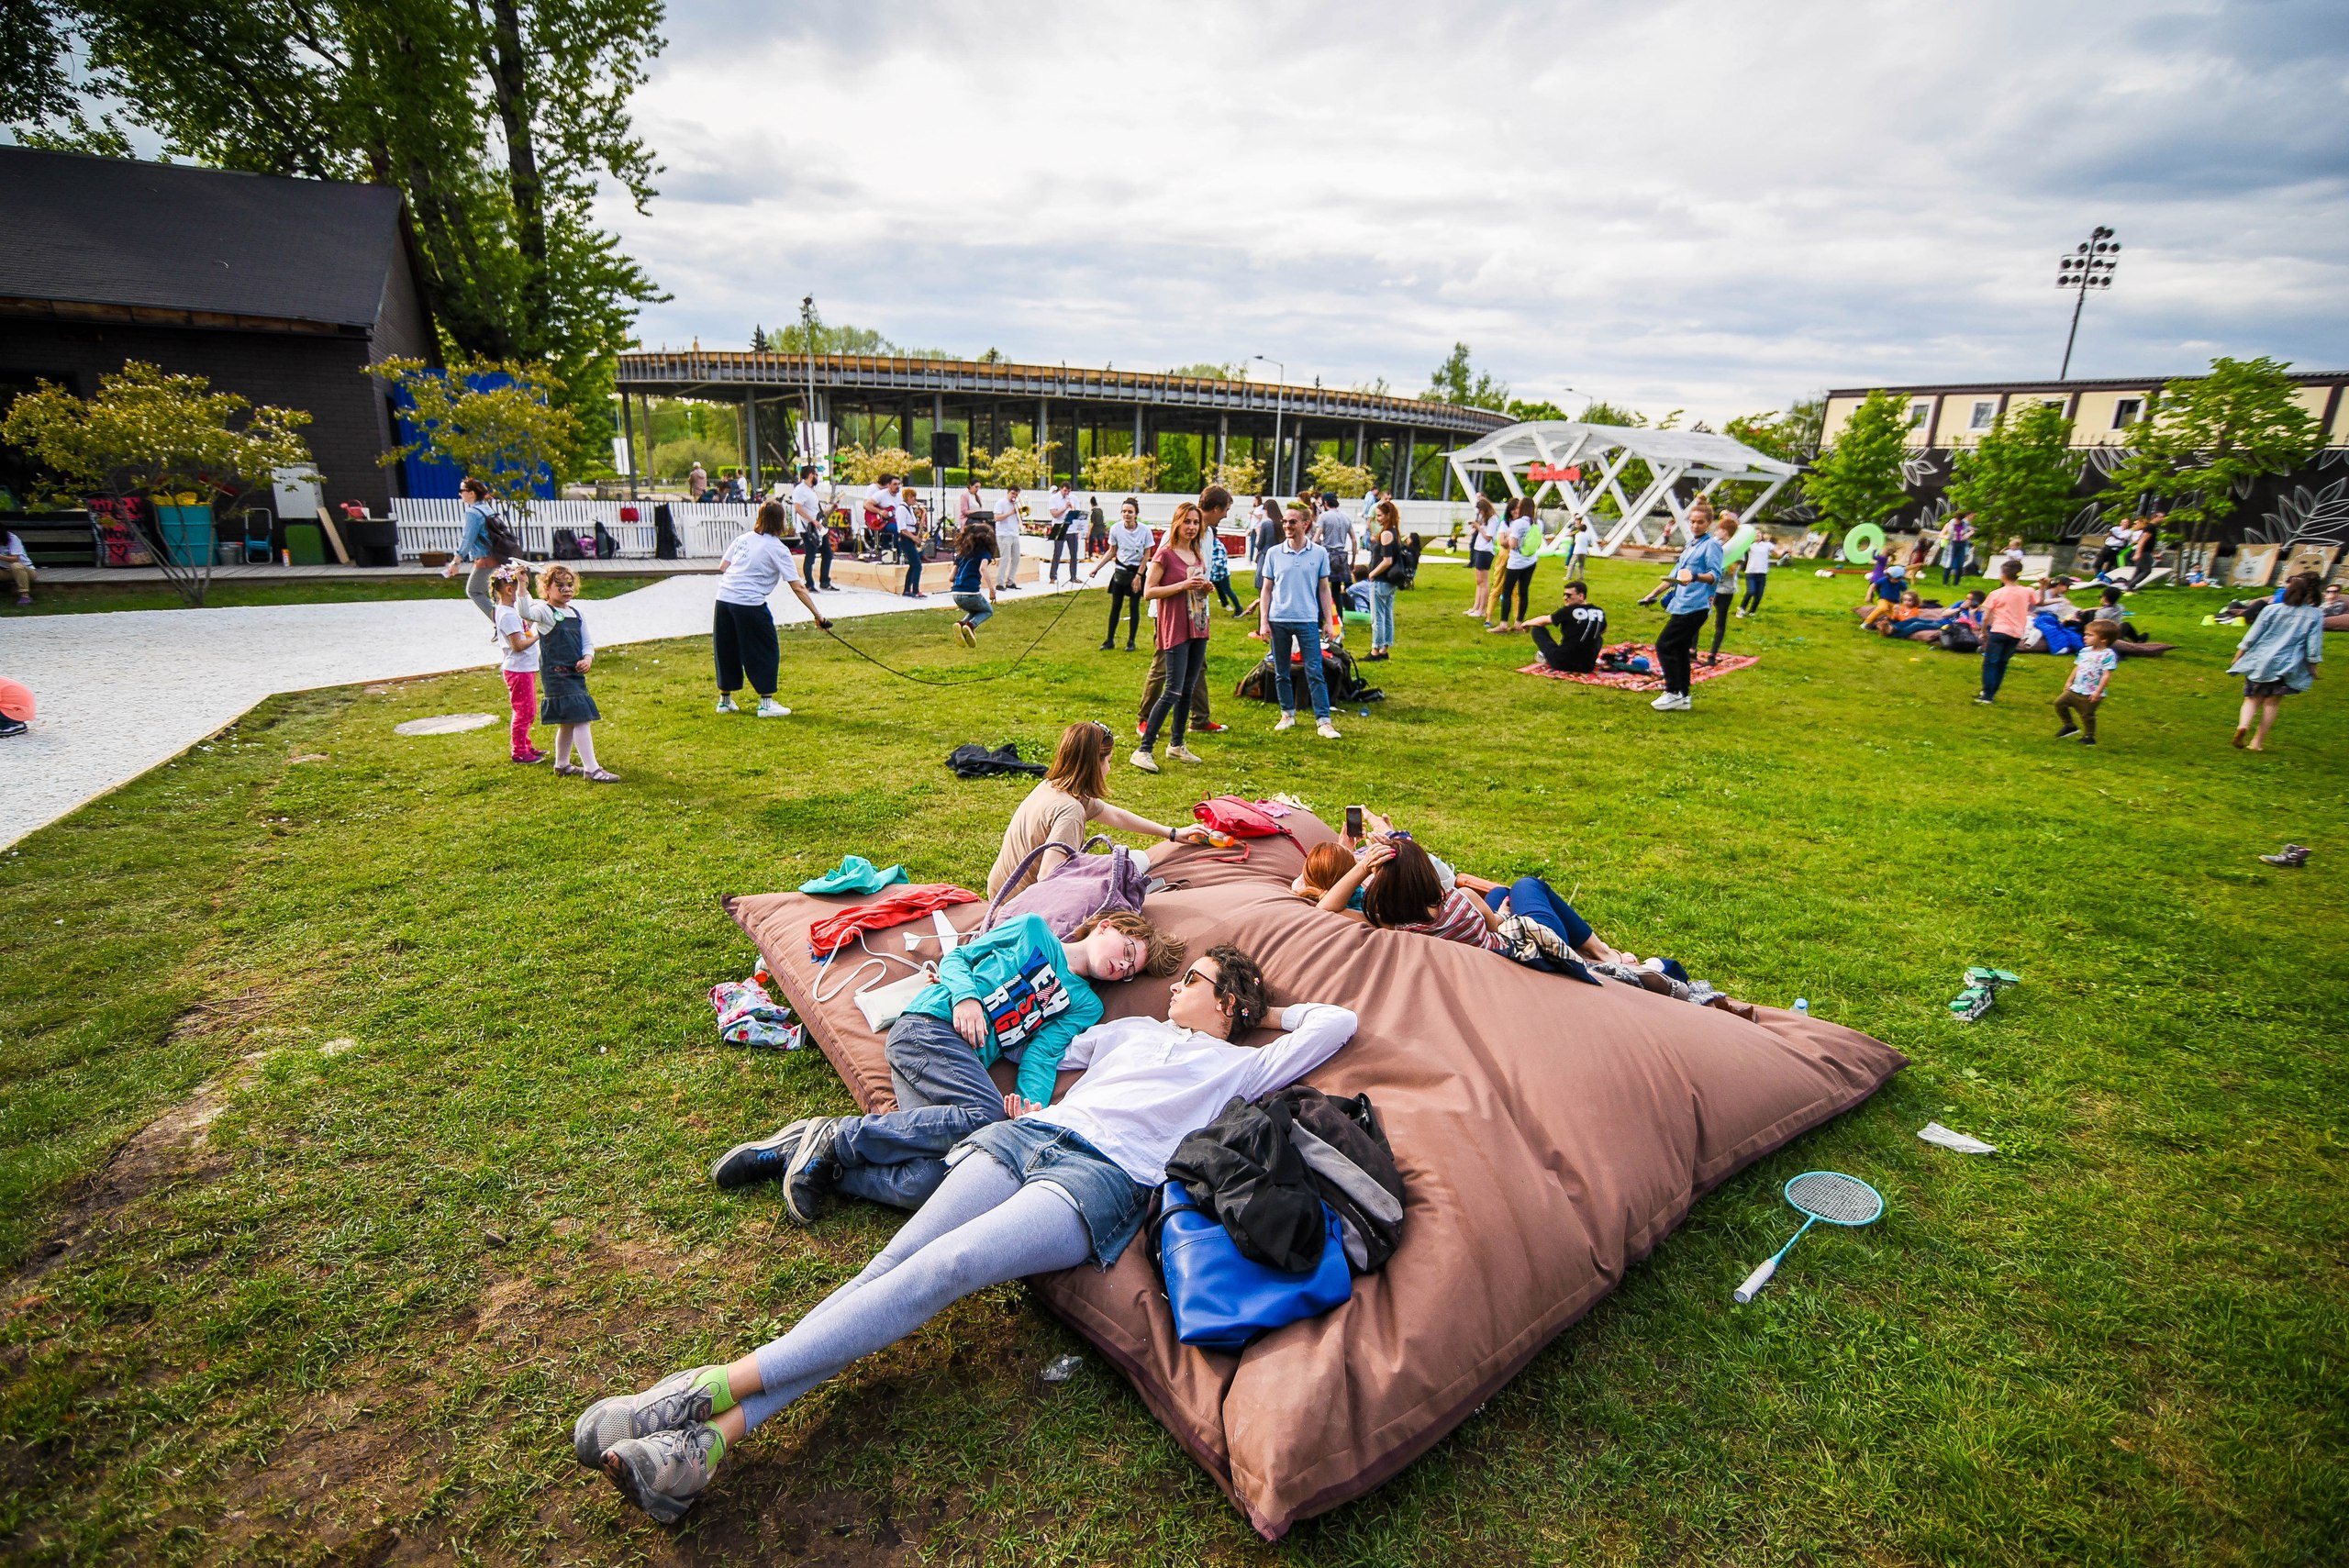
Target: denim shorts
1111,1204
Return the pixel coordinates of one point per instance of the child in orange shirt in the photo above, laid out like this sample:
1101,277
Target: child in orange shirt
2006,615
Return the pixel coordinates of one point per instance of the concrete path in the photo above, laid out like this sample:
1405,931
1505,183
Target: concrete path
123,692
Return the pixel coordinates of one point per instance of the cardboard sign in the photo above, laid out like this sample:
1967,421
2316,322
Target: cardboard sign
2316,558
2254,565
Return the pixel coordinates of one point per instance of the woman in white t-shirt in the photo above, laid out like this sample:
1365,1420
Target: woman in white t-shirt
742,633
1482,533
1757,573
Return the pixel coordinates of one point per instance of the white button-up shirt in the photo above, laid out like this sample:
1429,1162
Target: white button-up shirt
1148,1083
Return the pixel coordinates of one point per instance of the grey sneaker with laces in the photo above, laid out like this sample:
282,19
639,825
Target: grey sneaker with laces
663,1474
680,1399
807,1173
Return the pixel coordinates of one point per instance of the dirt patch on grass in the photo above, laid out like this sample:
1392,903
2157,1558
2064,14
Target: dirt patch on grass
343,1486
174,1147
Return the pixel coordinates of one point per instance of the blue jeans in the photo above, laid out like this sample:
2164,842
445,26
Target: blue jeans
1755,583
1382,614
1953,570
909,551
1288,635
1538,902
1996,648
975,607
943,1096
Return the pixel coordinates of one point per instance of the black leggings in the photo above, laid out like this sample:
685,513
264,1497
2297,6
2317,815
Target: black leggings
1721,602
1675,645
1519,581
743,637
1186,662
1125,591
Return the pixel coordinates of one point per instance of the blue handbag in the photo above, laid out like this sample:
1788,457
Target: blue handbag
1221,1300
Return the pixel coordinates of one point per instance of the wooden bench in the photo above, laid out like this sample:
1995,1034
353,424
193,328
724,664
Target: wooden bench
54,538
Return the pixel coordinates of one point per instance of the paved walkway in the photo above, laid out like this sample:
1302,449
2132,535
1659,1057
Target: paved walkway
123,692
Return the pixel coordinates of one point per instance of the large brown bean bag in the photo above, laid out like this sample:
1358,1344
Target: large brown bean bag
1550,1134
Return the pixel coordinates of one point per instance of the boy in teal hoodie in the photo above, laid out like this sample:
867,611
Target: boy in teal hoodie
1018,991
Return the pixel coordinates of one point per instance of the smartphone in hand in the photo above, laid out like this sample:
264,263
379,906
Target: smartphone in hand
1353,821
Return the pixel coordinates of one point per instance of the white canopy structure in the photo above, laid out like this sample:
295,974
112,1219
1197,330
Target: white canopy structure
1576,464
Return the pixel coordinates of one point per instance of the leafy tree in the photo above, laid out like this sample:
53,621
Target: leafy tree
1029,467
675,459
497,421
1120,470
2202,440
168,439
758,340
1858,479
854,465
499,120
1205,370
1790,437
1328,473
1459,383
1519,408
1240,476
845,339
2019,476
37,101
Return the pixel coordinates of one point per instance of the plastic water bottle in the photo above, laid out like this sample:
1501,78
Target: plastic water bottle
1802,1005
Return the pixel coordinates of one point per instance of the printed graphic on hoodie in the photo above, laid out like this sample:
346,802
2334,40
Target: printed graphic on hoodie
1017,1008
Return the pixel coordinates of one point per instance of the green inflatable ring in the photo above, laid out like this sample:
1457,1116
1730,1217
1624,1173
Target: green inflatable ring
1734,550
1861,543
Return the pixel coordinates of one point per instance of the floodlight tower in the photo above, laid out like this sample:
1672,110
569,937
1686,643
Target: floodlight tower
2090,266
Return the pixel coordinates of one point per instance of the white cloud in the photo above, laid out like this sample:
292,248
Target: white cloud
1707,204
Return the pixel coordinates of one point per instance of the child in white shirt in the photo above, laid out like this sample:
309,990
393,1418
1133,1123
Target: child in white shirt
518,644
2085,690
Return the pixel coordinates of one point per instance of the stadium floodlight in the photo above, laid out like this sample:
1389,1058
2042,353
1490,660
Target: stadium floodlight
2089,265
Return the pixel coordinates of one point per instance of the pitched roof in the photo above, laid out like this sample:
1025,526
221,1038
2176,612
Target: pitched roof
169,236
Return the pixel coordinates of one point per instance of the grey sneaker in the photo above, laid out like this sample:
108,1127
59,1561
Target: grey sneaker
808,1174
761,1159
663,1473
678,1400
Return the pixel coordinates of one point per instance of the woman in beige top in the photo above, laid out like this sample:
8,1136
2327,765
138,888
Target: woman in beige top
1070,797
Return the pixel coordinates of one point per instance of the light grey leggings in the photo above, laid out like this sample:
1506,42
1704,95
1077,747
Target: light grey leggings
477,590
981,1226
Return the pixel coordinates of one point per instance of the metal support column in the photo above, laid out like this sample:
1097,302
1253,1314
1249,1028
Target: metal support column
1137,429
1359,432
1404,457
1043,434
1222,438
628,434
751,439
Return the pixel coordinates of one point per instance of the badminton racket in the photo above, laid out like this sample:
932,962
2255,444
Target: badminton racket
1830,1196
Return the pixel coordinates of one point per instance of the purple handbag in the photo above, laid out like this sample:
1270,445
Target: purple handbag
1082,885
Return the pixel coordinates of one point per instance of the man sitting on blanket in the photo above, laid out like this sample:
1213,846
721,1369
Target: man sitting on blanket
1018,991
1580,629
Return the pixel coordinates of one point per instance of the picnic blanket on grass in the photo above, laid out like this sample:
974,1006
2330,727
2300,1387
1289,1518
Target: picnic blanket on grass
1549,1134
1631,681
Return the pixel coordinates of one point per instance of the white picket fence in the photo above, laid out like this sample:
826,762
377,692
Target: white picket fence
704,530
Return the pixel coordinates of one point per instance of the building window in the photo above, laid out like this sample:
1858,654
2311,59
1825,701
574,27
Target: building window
1985,410
1919,412
2125,412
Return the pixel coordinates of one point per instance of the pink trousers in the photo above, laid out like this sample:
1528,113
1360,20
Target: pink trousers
522,691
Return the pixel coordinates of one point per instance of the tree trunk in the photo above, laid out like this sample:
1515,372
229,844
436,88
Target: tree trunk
510,83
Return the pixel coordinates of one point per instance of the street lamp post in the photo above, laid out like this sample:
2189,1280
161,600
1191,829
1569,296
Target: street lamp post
1272,471
807,343
2090,266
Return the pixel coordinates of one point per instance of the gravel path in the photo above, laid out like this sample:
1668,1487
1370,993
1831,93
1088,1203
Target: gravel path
123,692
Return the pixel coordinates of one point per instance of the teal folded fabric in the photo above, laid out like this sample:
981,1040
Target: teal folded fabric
855,874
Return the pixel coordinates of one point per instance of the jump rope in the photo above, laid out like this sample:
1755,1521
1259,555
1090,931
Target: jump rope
1068,601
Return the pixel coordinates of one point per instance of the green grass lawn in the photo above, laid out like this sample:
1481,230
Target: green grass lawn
428,1038
80,599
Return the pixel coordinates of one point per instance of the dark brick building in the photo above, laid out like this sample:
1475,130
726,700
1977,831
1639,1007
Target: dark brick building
279,290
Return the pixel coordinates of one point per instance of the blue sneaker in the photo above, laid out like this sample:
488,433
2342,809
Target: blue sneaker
762,1160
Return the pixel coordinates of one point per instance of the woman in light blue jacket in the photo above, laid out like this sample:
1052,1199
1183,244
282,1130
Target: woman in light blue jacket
2279,656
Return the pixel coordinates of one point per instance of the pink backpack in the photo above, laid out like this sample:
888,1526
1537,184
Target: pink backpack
1082,885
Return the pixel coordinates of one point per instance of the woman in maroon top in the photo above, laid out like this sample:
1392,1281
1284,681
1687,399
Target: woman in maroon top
1178,583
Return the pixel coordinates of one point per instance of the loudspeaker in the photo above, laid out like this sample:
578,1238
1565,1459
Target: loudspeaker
945,450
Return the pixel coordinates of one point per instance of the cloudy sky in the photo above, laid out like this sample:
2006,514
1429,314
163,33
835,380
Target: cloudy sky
1708,204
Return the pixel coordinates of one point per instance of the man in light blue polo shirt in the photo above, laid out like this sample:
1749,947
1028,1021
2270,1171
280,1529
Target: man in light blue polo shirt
1293,604
1693,576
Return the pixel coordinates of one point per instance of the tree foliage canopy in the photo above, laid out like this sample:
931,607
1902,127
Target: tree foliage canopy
1029,467
2019,476
145,433
1858,479
1459,383
1328,473
497,119
2202,440
1120,470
